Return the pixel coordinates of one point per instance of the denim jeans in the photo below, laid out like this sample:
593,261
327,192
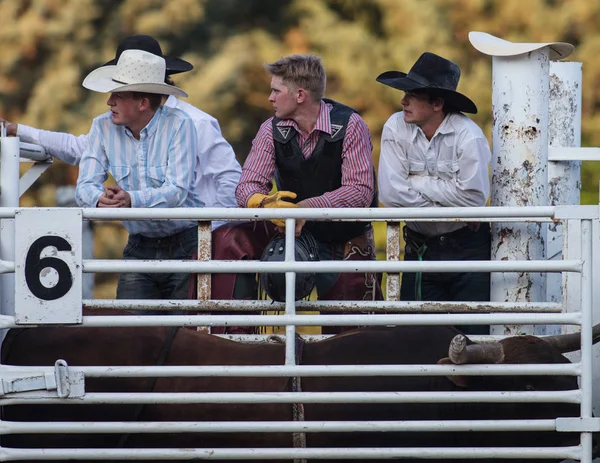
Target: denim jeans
181,245
464,244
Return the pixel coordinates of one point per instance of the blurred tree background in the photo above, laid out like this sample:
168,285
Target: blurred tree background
48,46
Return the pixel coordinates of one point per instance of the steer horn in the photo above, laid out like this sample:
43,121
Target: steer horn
460,353
571,342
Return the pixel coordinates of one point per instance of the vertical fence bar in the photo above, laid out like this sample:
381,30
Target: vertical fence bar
586,380
9,197
290,293
564,177
392,251
595,315
571,282
204,254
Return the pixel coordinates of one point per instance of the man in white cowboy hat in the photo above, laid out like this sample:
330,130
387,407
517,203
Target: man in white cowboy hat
218,169
432,155
150,150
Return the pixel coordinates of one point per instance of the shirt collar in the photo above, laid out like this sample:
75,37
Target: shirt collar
171,102
323,123
445,128
153,124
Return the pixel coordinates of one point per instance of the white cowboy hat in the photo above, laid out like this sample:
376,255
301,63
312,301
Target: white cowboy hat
495,46
136,71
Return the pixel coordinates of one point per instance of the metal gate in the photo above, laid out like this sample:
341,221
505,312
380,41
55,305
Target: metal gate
58,231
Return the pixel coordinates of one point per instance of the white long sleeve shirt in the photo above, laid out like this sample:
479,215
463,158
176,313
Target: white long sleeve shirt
217,168
450,170
158,170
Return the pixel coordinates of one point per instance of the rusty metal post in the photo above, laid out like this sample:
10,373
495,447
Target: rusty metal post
564,176
519,171
392,250
204,254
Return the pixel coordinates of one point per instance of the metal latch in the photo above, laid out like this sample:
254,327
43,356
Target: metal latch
65,381
578,424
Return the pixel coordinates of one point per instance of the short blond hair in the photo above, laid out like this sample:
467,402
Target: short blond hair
305,71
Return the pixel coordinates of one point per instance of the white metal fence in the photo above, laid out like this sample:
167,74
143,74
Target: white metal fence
63,228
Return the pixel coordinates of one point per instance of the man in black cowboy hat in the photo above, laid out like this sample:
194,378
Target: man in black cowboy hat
220,173
432,155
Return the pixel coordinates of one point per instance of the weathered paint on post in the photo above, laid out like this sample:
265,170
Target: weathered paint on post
204,254
393,254
564,177
519,171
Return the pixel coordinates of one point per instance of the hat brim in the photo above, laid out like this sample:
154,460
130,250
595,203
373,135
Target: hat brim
100,80
400,81
173,65
495,46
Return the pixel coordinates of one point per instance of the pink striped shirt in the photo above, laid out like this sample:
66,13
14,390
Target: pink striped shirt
357,169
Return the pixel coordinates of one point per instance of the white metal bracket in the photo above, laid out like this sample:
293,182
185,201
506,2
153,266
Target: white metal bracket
63,383
578,424
31,175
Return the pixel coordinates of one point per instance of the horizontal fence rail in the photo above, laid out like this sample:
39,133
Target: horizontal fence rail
250,266
152,427
531,213
316,320
214,305
133,371
324,266
380,453
402,397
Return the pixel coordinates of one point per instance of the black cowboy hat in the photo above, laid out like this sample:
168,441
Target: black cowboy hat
151,45
431,72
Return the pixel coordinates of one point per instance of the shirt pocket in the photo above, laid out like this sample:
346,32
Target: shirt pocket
447,169
121,174
416,167
156,176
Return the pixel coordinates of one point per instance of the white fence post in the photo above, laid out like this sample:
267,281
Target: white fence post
9,197
519,170
564,177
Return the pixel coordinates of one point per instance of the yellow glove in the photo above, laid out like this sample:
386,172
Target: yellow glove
275,200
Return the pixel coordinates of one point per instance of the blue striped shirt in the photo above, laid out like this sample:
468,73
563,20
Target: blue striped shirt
158,170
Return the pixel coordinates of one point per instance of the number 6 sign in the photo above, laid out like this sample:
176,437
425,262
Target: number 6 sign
48,266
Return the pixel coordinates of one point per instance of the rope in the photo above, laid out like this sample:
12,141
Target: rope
298,438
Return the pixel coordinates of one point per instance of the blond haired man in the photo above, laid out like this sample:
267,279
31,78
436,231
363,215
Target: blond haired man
318,153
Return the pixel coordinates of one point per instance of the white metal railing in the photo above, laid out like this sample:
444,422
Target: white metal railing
381,453
497,313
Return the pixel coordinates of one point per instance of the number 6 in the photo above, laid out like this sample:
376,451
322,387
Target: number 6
34,266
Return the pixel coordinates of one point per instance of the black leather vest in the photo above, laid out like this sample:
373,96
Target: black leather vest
320,173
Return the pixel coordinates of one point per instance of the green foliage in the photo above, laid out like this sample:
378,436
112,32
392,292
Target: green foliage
48,46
